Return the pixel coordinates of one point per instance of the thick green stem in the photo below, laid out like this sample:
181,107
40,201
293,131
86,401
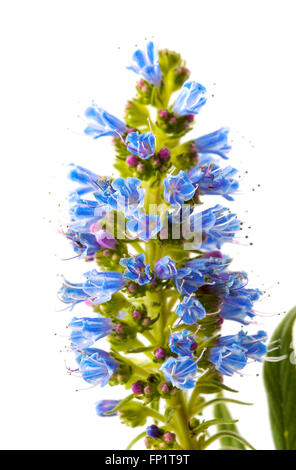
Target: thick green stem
181,424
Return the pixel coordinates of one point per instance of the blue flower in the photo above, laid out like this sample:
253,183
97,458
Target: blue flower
86,331
146,64
96,366
190,283
190,310
98,288
72,294
233,351
102,123
190,99
143,145
104,406
253,344
181,372
154,431
228,359
178,189
222,230
144,226
238,305
214,143
129,195
136,269
84,244
86,179
212,179
165,268
210,263
182,343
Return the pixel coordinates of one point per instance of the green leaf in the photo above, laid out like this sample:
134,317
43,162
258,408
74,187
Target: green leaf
219,400
223,434
280,384
135,440
121,404
216,422
221,412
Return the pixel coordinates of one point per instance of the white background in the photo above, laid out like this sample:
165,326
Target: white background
56,57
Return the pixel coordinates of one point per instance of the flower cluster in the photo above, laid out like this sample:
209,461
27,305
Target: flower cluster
146,286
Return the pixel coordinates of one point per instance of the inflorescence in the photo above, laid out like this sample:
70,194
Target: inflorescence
162,288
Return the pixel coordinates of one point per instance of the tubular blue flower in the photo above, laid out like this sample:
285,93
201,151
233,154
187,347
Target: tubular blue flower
228,359
84,244
72,294
181,372
178,189
86,331
165,268
96,366
136,269
214,143
98,288
146,64
190,310
129,195
144,226
104,406
238,305
154,431
253,344
86,179
143,145
223,230
86,210
210,263
190,283
212,179
102,123
190,99
182,343
233,351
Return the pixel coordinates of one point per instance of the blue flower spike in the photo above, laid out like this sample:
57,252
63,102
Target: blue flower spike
157,303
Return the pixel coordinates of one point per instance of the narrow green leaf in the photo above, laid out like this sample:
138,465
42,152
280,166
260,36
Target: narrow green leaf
223,434
216,401
121,404
140,350
215,422
280,384
135,440
221,412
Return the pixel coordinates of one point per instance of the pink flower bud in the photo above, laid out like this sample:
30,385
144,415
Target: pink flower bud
164,388
173,120
163,114
136,314
164,154
169,437
160,353
138,388
132,160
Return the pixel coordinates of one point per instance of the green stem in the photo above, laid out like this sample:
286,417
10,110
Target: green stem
181,424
